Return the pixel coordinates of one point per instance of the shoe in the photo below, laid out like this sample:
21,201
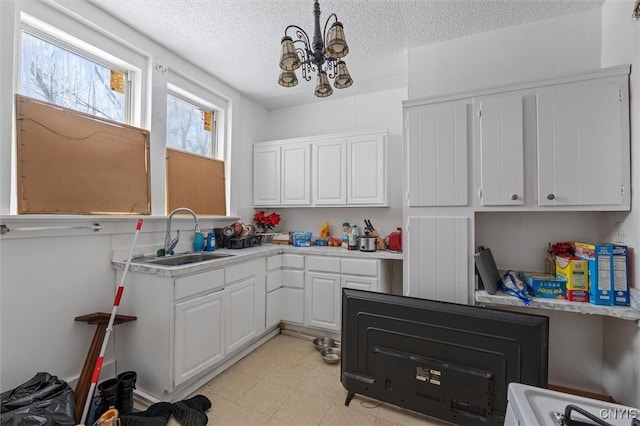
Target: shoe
107,397
190,412
157,414
126,385
108,418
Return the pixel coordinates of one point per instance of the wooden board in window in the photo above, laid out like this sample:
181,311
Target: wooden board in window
74,163
196,182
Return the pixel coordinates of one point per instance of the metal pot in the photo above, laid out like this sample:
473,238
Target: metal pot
367,243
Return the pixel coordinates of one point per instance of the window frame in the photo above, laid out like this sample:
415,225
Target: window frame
203,106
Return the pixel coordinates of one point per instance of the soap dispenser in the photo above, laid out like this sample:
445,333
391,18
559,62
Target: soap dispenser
211,242
198,242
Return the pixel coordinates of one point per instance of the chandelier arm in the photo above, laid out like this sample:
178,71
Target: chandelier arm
332,69
301,35
324,32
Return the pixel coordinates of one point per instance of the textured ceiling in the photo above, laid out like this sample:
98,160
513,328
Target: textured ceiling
238,41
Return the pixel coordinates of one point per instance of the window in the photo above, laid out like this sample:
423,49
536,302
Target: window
190,127
55,72
191,154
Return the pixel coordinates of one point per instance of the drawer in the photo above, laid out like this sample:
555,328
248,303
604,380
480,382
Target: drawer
240,271
292,278
274,262
198,283
368,267
323,264
292,261
274,280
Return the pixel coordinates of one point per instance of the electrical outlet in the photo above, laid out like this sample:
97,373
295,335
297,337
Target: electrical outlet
619,233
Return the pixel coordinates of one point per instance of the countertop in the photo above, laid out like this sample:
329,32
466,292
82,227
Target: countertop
243,255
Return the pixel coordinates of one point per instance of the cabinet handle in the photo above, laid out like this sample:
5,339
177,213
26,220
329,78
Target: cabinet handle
514,196
550,197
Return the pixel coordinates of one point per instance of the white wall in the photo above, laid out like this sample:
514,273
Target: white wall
560,46
621,346
379,110
540,50
48,278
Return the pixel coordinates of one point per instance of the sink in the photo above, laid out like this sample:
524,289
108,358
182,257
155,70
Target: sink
182,259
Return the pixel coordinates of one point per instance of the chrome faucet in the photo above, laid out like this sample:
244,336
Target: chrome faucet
170,244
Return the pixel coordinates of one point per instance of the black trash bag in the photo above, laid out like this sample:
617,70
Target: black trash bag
43,400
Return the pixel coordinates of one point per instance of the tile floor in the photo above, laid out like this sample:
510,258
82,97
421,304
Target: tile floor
286,382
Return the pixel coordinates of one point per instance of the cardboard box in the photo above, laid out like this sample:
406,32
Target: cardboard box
599,259
576,272
545,285
620,275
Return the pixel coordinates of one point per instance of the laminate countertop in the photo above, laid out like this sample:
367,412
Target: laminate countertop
246,254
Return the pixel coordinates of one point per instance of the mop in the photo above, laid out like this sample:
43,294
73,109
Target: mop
116,303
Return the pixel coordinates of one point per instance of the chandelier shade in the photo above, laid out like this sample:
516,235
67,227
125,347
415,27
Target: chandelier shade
287,79
343,79
289,60
319,55
337,45
323,88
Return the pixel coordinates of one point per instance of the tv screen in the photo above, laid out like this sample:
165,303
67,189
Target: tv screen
445,360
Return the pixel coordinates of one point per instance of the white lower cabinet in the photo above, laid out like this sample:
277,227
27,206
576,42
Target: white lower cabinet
285,289
245,295
325,277
199,335
322,300
187,326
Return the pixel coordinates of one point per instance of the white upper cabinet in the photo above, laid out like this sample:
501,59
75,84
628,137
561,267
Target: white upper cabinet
367,172
347,169
583,143
499,146
437,137
329,174
266,175
296,175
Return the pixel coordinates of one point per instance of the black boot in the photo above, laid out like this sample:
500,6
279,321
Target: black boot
107,396
190,412
156,415
126,385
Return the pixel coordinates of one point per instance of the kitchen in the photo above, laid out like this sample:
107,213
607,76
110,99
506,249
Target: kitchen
40,262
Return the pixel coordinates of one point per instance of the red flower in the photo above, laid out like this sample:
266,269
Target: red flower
265,221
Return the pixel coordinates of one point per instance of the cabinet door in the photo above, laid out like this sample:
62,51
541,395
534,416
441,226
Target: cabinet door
359,283
243,317
322,293
583,143
293,305
436,147
266,175
437,259
296,175
500,158
330,172
274,307
366,170
199,336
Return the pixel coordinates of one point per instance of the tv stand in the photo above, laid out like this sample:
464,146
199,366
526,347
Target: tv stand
350,395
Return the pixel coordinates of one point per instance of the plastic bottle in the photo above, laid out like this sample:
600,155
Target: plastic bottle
198,242
353,238
346,228
211,242
324,230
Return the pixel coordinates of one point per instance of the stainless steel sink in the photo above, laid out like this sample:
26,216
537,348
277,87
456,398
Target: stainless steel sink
182,259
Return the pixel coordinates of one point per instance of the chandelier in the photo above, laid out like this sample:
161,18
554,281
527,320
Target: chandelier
316,56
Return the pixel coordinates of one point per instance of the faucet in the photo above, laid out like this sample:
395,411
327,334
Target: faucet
170,244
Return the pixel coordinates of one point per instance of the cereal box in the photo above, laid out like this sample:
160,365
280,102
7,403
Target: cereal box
620,275
575,271
599,259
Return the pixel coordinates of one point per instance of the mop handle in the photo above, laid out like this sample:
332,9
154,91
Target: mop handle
105,341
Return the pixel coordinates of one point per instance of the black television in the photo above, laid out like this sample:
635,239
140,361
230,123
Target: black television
446,360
